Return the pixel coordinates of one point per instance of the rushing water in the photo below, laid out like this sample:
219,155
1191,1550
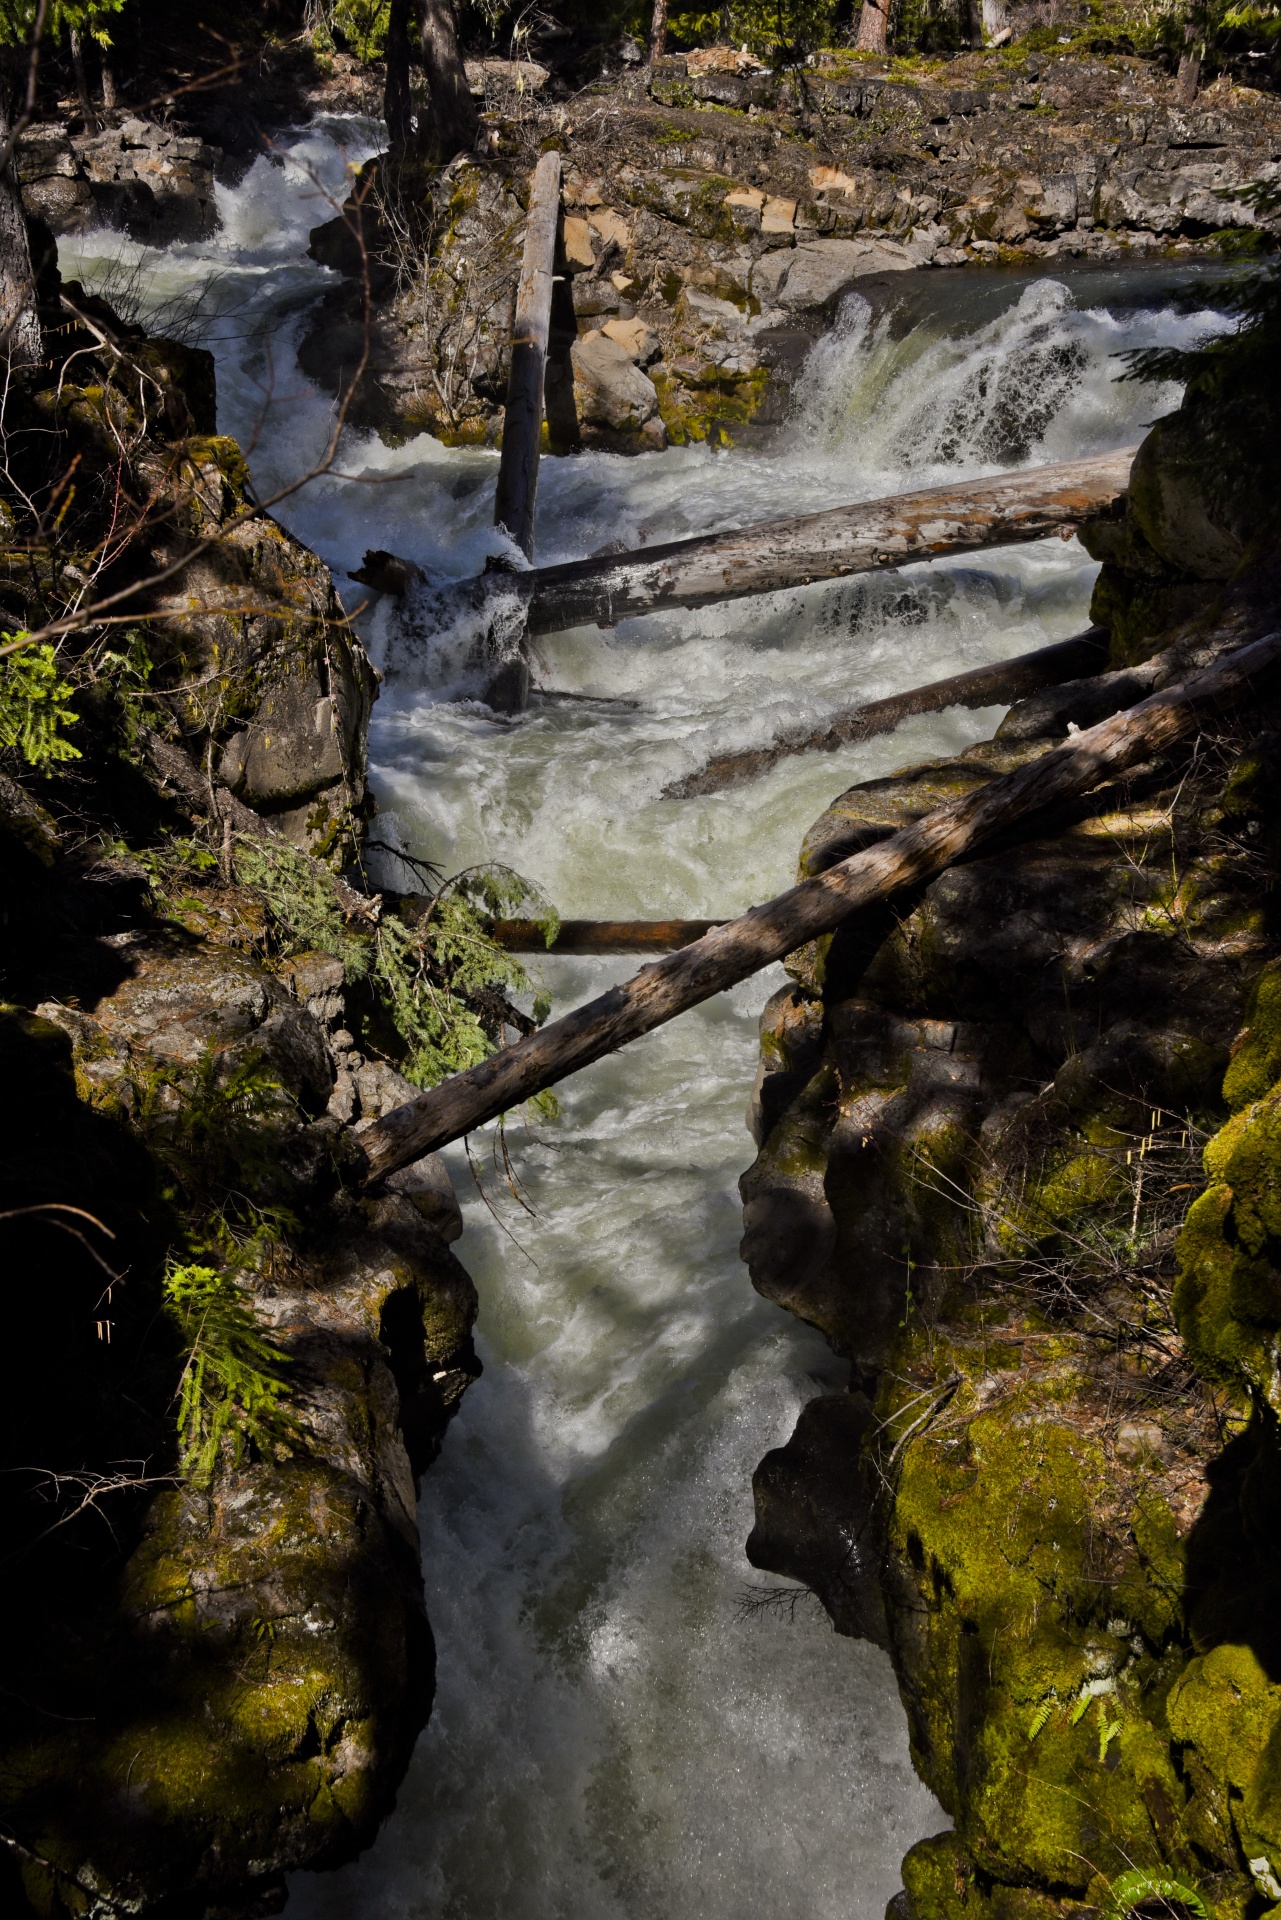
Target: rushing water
612,1735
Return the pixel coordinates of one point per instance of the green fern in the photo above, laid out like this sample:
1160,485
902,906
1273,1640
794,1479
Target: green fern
1042,1714
33,709
233,1388
301,896
1130,1889
1108,1730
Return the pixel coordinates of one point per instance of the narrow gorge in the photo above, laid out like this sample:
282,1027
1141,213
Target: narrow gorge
823,1459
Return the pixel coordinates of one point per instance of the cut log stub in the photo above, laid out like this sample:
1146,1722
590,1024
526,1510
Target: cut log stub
999,684
388,573
737,948
517,490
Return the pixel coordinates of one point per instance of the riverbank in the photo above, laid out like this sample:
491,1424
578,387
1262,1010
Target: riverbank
983,1124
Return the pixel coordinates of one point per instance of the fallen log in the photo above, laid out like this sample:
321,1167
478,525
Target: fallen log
1001,684
868,537
737,948
602,936
517,489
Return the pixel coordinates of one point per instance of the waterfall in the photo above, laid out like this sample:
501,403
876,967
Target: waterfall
612,1737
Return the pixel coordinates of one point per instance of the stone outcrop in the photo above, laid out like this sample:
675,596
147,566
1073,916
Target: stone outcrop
1051,1485
250,1685
155,184
730,212
216,1661
255,667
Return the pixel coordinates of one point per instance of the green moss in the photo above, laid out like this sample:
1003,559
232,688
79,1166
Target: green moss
1256,1053
709,405
1228,1298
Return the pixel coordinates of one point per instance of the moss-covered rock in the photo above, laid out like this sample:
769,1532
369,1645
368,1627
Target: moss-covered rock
213,1679
998,1137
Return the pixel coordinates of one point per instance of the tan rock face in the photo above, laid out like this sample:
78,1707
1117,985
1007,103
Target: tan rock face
576,241
639,342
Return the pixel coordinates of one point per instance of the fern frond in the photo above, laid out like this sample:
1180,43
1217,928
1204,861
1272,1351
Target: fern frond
1141,1883
233,1388
1042,1714
33,709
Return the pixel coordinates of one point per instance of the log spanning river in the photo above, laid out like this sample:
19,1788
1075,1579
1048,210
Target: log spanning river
619,1734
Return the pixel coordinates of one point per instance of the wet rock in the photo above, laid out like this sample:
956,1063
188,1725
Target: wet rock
815,272
55,185
156,184
814,1514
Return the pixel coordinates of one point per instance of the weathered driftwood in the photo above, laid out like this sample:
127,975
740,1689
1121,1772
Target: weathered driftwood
602,936
737,948
866,538
1006,681
517,489
873,535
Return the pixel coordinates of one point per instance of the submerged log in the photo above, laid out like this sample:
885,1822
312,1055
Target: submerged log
738,948
1006,681
517,489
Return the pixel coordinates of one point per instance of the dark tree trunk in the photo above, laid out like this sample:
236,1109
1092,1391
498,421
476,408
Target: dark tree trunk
873,26
397,101
110,93
453,120
20,337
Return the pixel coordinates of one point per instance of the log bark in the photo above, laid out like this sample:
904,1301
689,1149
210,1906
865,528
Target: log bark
1006,681
870,537
873,26
602,936
738,948
517,491
865,538
453,122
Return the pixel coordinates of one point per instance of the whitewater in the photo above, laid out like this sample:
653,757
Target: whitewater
616,1734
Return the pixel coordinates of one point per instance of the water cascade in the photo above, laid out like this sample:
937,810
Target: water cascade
621,1727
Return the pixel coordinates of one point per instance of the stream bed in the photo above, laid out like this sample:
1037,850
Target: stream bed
627,1722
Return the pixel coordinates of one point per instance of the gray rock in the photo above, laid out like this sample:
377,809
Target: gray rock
609,390
814,273
427,1186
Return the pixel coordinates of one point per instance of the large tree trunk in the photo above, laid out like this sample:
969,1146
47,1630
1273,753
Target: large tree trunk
873,26
869,537
20,337
85,98
738,948
658,30
453,122
397,96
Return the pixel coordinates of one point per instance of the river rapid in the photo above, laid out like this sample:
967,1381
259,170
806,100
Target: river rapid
618,1733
